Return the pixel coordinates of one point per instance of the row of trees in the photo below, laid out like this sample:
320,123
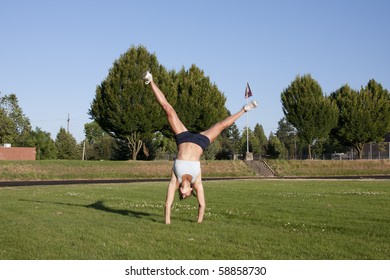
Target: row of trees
15,128
129,123
348,118
99,145
126,109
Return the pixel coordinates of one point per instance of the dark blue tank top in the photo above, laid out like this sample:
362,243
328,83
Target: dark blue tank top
196,138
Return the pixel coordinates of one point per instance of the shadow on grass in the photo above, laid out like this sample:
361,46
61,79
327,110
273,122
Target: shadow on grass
99,205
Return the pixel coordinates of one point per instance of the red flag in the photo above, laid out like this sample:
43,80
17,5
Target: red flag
248,92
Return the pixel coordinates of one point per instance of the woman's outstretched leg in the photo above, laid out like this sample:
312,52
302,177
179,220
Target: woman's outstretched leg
213,132
174,121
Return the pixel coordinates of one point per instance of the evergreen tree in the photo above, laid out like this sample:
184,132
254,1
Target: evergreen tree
123,105
229,140
276,149
67,146
126,109
234,136
45,146
7,128
288,136
254,144
212,150
98,144
16,126
198,103
262,139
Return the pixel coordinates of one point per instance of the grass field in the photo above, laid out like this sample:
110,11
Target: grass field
74,169
77,169
245,219
330,167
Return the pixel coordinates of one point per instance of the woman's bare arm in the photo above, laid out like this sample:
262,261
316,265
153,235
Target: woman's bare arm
172,187
201,198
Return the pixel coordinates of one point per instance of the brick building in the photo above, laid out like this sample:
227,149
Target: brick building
17,153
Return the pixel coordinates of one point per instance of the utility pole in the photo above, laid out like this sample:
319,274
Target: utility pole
67,127
83,157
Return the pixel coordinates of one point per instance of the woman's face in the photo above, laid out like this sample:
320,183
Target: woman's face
185,189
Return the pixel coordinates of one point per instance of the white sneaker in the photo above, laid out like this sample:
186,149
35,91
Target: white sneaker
250,106
147,77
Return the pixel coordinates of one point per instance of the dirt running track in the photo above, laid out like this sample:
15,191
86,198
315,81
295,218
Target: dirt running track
120,181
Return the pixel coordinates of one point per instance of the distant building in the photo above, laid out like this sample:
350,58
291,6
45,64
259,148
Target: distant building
17,153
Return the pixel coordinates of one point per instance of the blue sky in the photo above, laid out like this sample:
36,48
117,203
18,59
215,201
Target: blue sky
54,53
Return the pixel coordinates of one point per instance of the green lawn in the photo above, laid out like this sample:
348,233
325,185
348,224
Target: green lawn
245,219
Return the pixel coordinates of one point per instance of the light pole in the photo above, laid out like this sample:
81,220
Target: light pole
294,132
